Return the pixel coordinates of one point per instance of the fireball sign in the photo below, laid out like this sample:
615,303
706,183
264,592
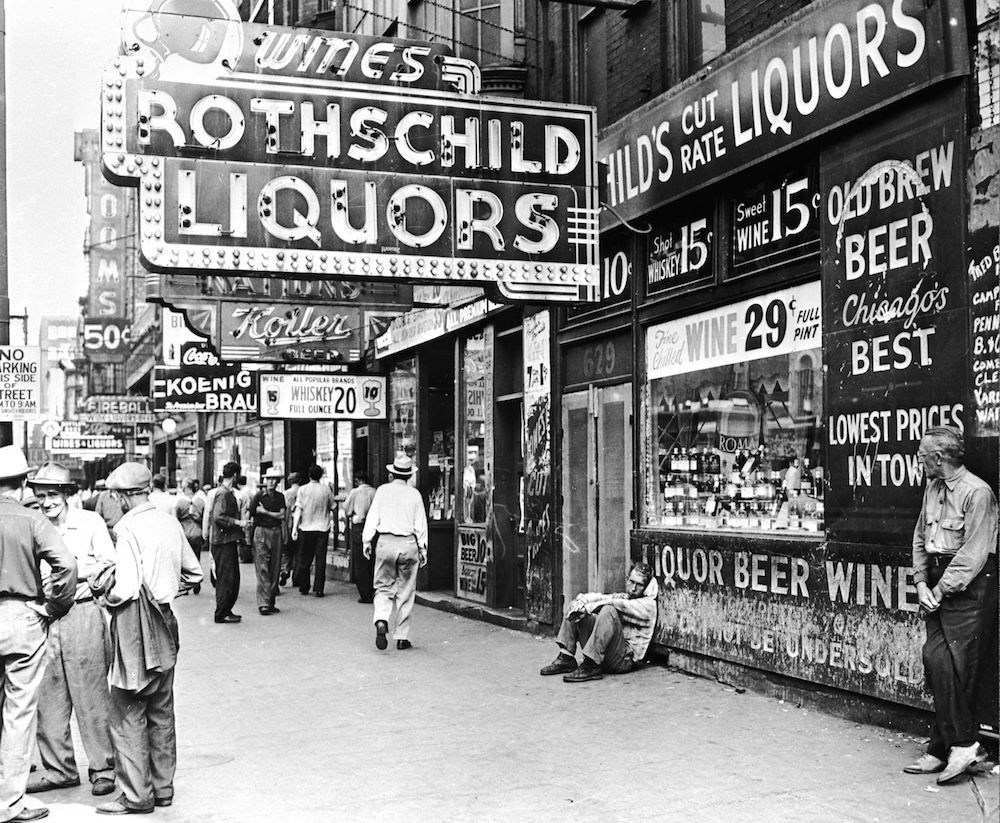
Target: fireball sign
315,154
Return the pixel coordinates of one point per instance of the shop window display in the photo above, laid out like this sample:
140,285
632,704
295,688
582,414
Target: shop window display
403,409
475,481
737,446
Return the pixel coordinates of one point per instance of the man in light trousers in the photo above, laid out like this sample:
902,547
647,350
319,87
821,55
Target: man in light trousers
399,521
76,678
26,538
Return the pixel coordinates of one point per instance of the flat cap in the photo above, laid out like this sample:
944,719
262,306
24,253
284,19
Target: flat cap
130,477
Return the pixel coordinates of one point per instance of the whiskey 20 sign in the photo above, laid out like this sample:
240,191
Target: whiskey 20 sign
264,149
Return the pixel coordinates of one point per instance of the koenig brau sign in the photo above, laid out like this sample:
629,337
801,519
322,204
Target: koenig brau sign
314,154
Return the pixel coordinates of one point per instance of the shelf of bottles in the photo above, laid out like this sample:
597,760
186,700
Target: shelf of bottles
708,489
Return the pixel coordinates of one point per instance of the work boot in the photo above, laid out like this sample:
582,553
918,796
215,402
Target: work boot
563,664
587,670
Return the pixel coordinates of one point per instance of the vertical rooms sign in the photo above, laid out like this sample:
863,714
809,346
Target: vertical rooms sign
315,154
895,312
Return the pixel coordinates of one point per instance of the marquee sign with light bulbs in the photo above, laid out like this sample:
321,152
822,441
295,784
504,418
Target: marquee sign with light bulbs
314,154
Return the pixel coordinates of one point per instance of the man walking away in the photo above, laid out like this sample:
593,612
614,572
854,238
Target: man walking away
26,538
190,513
398,520
614,630
227,531
290,557
356,510
267,510
76,676
955,571
154,564
314,506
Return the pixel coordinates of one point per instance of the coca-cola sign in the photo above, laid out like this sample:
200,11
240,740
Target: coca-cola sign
289,332
199,359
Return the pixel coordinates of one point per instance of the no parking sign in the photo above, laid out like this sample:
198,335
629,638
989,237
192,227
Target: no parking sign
20,382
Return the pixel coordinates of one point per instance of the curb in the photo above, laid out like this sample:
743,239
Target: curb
476,611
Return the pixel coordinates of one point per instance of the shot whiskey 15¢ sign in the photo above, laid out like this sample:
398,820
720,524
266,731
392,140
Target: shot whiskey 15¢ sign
253,152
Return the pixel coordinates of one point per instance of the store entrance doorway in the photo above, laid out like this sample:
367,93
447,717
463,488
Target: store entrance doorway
597,488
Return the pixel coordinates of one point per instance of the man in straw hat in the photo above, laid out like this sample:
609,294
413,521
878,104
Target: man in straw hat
76,678
267,511
399,521
155,563
26,538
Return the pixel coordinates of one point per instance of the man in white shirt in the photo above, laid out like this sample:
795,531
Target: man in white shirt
398,518
152,552
161,498
76,674
314,507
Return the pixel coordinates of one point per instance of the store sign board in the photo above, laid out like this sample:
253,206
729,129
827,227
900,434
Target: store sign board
459,317
773,324
474,561
185,288
86,446
827,68
843,616
312,396
288,332
176,390
411,329
20,383
106,338
775,223
618,273
681,252
896,315
103,408
595,360
984,299
261,162
176,335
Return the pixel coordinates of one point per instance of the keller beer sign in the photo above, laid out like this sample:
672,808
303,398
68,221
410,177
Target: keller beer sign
313,154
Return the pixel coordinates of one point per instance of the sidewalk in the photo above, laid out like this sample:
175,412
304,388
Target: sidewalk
297,717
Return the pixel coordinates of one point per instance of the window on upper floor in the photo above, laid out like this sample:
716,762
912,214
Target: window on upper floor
592,63
699,28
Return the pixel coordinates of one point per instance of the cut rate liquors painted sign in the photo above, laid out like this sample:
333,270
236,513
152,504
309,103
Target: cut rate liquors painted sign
264,149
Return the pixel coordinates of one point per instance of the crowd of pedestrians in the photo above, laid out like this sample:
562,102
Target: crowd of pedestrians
87,582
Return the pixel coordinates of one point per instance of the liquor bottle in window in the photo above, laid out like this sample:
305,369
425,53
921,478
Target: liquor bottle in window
713,463
807,479
693,466
675,461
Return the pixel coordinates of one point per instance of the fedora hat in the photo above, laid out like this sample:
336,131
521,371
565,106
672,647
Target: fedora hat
130,477
12,462
273,474
402,466
52,474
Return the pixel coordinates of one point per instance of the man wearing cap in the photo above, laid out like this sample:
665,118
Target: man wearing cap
314,506
227,531
267,510
76,677
154,556
398,520
107,507
26,538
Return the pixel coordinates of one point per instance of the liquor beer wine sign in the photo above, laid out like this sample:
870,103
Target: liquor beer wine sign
311,154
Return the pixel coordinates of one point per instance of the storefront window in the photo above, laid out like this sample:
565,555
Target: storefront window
403,409
733,433
334,454
475,482
249,445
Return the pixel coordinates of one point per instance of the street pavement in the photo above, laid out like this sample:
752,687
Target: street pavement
298,717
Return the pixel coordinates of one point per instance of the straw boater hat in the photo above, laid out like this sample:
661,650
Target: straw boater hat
130,477
53,475
402,467
273,474
12,462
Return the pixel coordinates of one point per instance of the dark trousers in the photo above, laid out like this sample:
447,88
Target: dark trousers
290,556
267,560
362,569
952,654
145,740
227,578
601,637
312,545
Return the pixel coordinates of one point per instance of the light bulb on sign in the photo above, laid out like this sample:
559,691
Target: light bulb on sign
169,425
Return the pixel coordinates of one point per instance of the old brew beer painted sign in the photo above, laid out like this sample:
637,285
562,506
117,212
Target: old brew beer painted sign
313,154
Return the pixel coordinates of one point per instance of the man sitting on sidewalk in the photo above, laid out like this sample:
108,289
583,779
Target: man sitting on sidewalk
614,629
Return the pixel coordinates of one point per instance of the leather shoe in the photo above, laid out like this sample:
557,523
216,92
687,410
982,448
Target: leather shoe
282,578
381,628
321,594
117,807
163,801
102,786
925,764
403,645
960,759
587,670
563,664
36,813
44,784
229,618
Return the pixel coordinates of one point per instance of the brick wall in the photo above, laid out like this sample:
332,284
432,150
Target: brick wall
746,19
